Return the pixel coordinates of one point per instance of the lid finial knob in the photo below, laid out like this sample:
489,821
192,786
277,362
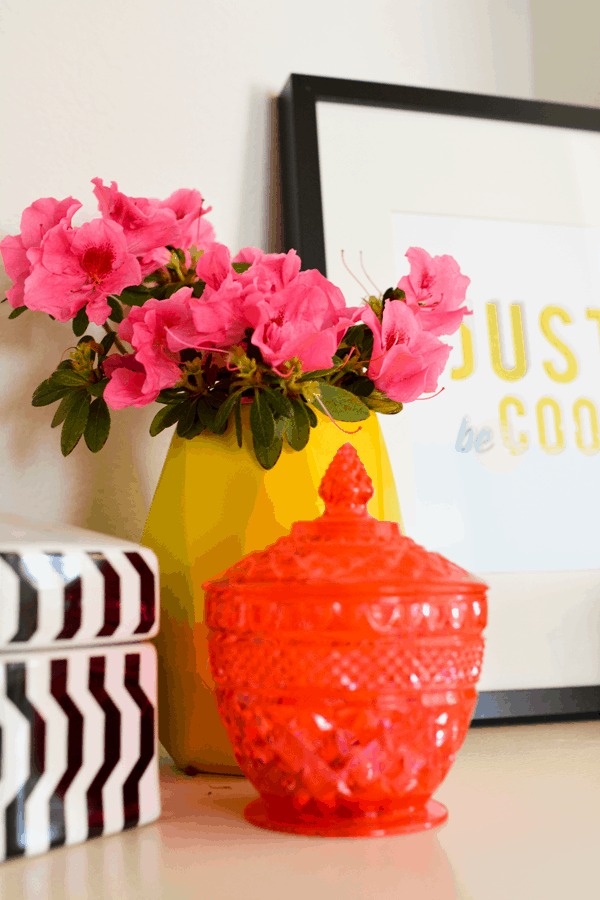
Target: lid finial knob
346,488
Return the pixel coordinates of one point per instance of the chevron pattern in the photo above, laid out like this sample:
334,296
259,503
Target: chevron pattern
78,745
77,597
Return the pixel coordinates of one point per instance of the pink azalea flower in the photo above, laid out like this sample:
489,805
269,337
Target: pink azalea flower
194,230
154,260
435,289
80,267
218,320
147,329
406,361
127,382
307,319
230,302
268,272
214,265
36,221
220,316
146,226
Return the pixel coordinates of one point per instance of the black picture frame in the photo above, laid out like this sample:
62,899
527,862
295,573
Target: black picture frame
303,229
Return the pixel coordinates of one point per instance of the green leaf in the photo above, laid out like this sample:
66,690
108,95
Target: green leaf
116,314
97,389
75,422
84,340
45,394
108,340
224,410
166,417
394,294
198,288
361,386
65,364
240,267
280,426
262,423
63,408
342,405
98,425
136,295
216,397
318,373
206,413
67,378
381,403
312,417
217,429
156,426
278,403
237,413
367,345
197,429
17,312
298,427
187,419
268,456
80,322
169,394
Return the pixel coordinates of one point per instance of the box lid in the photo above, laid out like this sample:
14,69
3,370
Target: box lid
66,586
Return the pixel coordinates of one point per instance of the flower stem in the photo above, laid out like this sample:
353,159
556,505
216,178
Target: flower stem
117,342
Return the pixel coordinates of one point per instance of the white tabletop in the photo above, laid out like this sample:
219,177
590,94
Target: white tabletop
524,803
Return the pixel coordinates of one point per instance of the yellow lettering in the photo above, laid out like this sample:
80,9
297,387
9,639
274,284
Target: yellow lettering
468,365
520,367
523,441
559,444
571,371
580,404
593,314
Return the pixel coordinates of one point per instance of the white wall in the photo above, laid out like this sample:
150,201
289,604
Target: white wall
159,95
566,45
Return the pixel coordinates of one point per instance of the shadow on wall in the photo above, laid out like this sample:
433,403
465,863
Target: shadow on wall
260,190
108,492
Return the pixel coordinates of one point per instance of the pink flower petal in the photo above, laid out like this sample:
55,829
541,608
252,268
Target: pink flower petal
14,256
214,266
127,388
43,215
146,227
434,289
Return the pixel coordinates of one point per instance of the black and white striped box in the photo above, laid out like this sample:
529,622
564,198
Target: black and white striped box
79,745
62,586
78,719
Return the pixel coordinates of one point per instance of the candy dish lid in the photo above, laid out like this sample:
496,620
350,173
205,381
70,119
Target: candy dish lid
348,546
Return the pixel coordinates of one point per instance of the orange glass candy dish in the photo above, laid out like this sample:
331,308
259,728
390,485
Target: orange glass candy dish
345,659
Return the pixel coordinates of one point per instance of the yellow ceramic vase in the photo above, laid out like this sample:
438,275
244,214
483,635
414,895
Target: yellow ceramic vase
214,504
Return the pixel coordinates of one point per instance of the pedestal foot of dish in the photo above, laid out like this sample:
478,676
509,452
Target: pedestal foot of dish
376,824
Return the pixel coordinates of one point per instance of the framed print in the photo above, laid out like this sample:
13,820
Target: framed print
501,471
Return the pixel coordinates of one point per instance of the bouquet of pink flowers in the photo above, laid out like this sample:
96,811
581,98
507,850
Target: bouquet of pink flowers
203,334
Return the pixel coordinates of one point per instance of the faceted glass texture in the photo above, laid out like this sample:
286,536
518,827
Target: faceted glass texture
345,659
